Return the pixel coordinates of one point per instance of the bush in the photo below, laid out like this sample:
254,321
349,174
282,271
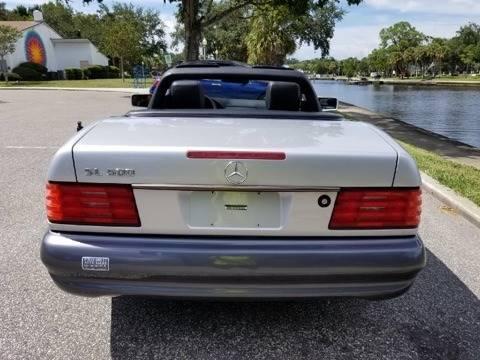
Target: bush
52,75
28,74
74,74
34,66
96,72
113,72
11,77
101,72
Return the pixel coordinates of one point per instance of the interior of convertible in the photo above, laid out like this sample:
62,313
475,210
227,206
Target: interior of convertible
221,94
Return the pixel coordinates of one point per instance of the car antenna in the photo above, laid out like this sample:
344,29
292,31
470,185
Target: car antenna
79,126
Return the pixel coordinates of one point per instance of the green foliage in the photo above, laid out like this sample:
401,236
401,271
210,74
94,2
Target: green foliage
28,74
121,40
225,39
61,18
397,39
74,74
29,71
17,14
408,52
464,179
349,67
8,38
269,40
101,72
34,66
146,23
310,21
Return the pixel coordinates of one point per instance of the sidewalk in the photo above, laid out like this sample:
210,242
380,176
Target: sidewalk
424,139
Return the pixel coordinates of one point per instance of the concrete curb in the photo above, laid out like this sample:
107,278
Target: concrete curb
122,90
465,207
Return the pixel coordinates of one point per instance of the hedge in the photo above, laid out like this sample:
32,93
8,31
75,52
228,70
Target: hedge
34,66
28,74
74,74
101,72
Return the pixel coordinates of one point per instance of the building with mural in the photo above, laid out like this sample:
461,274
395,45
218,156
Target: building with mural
43,45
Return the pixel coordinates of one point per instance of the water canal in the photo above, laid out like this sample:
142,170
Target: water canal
453,111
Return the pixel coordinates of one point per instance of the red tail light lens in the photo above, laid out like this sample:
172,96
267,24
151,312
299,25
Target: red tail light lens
91,204
376,209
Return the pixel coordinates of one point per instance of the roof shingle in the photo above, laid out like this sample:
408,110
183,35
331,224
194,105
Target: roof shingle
19,25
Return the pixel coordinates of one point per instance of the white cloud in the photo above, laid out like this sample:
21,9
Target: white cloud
447,7
348,41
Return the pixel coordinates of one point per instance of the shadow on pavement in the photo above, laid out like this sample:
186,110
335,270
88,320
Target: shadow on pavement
438,319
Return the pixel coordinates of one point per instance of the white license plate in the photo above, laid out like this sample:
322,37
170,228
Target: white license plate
235,209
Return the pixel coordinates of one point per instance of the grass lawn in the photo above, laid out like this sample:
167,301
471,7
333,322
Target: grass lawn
463,179
458,78
96,83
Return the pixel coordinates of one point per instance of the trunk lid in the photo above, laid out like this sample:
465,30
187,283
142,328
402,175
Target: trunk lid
318,153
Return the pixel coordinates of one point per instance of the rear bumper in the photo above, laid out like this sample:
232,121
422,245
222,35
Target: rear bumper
199,267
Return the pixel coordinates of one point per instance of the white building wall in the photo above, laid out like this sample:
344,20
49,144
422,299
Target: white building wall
45,33
71,54
77,54
97,57
59,55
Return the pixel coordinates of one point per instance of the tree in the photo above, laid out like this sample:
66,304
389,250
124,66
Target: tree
269,40
378,61
147,24
349,67
198,15
469,34
438,50
8,38
226,39
397,39
3,12
61,18
122,40
471,56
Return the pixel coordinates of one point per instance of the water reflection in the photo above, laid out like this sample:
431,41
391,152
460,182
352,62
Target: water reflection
448,110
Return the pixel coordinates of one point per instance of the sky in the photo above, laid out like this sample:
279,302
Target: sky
357,34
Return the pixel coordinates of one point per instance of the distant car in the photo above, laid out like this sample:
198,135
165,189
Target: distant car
234,184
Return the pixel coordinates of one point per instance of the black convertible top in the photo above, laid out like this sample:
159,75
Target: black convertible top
234,71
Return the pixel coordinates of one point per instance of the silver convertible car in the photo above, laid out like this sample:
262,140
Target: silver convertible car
233,183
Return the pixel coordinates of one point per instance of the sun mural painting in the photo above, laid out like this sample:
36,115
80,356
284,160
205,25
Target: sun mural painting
34,48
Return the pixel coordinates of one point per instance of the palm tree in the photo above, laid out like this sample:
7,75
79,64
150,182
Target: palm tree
269,40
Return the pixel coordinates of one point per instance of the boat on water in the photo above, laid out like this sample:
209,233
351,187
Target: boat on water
359,81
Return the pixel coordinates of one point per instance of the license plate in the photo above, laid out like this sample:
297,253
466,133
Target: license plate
235,209
91,263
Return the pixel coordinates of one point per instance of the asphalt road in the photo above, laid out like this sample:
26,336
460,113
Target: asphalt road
438,319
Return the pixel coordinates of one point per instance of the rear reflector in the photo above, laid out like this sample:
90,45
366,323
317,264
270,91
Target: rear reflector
376,209
237,155
91,204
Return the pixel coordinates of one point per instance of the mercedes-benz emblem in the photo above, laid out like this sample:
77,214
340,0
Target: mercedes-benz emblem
236,172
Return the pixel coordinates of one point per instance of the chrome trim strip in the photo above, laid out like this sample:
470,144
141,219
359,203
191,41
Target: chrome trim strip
191,187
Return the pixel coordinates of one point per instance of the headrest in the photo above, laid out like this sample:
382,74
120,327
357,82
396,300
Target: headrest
186,94
283,96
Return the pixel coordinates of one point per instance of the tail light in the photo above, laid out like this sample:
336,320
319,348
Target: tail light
376,209
91,204
237,155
